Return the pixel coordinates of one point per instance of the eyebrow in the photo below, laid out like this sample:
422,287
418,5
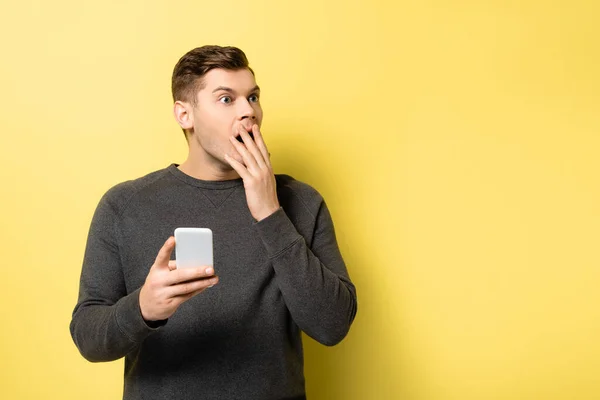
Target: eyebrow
230,90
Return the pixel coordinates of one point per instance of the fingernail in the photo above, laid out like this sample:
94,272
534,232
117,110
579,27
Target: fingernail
210,286
209,271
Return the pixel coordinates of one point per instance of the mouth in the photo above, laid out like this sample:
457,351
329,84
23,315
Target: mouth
239,138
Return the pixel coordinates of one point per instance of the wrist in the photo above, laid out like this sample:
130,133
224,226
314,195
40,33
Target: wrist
152,321
146,316
155,323
267,213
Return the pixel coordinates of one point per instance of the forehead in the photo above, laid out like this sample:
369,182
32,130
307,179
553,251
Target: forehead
241,80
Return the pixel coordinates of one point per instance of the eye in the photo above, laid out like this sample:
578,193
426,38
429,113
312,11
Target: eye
253,98
225,100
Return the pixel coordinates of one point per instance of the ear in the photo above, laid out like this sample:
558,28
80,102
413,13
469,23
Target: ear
183,114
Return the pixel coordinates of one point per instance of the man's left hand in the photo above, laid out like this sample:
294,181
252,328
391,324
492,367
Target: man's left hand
256,172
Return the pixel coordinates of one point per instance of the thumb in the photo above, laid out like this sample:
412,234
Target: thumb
164,254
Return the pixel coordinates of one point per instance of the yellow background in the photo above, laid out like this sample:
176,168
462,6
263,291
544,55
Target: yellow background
456,143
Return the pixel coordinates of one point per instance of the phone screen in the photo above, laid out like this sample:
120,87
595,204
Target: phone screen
193,247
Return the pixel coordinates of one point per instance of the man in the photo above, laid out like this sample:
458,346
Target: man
277,268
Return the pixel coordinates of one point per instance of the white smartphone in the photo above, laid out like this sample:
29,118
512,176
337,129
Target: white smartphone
193,247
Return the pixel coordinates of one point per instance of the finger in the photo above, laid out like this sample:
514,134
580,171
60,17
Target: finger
185,288
238,166
260,143
244,148
189,274
164,254
185,297
252,148
247,157
239,147
172,265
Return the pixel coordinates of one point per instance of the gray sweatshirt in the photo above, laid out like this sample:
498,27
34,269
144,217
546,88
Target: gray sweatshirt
240,339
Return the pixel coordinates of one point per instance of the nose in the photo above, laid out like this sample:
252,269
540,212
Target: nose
246,111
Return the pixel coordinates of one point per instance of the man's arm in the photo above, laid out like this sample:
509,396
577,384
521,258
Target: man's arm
107,322
314,281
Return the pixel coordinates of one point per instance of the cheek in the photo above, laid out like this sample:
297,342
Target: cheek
215,131
259,114
211,123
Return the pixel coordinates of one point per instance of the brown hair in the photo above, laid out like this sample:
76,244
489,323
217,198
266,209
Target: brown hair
189,70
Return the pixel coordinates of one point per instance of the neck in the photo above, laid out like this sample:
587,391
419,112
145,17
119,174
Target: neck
203,166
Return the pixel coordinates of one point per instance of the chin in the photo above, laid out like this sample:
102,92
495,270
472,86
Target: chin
239,159
226,164
236,156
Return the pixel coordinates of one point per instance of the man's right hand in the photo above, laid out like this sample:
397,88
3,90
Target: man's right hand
167,287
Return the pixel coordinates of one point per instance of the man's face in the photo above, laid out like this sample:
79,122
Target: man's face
228,100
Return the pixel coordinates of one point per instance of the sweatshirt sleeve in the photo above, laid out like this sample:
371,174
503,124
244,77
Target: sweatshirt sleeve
313,280
107,322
